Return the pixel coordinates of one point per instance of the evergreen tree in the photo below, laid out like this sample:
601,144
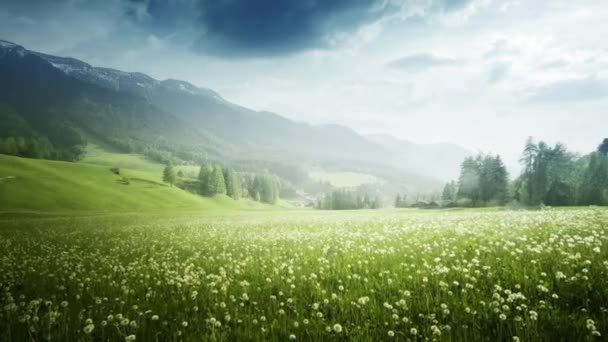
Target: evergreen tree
468,182
217,184
169,173
233,184
204,178
398,201
449,191
10,146
603,148
595,180
548,174
483,180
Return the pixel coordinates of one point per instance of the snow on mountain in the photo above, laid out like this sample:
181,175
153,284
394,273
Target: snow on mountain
7,47
131,82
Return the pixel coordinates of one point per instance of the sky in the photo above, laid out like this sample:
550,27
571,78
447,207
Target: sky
485,74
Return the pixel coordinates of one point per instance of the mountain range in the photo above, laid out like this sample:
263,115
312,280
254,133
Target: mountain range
49,96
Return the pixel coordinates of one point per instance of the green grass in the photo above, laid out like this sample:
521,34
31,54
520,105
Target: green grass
99,154
416,275
344,179
39,186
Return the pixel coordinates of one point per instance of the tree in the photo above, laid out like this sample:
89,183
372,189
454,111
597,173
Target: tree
398,201
548,173
169,173
493,179
10,146
217,184
483,180
468,182
233,184
603,148
449,191
595,180
204,178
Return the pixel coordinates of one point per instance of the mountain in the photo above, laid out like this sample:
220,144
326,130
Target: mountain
60,101
440,161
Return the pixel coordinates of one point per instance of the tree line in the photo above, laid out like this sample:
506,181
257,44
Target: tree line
222,180
344,199
551,175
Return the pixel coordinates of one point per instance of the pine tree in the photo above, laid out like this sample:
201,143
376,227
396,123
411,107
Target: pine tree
169,173
217,183
468,182
10,146
233,185
204,178
398,201
449,191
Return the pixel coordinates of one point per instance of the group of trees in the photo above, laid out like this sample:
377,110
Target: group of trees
554,176
483,180
214,180
401,202
551,175
33,146
30,147
345,200
218,180
262,188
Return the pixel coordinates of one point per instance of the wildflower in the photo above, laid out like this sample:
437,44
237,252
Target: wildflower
130,338
337,328
533,315
391,333
435,330
89,328
363,300
155,317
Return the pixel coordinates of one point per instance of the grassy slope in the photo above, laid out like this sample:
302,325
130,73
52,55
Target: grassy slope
52,186
344,179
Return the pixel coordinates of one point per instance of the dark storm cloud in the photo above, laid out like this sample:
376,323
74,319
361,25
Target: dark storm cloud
224,28
243,28
420,62
253,28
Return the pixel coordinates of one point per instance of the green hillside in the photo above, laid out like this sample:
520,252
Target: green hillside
53,186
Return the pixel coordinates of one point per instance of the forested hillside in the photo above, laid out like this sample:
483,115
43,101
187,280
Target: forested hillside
50,105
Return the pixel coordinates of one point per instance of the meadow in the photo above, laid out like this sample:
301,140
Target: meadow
404,275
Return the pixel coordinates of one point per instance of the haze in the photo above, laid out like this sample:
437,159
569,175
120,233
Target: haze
483,74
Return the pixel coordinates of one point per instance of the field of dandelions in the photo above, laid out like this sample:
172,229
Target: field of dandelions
312,276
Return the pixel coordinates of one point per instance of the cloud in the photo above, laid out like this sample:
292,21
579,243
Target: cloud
572,90
421,62
501,48
269,28
232,28
498,72
554,64
256,28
